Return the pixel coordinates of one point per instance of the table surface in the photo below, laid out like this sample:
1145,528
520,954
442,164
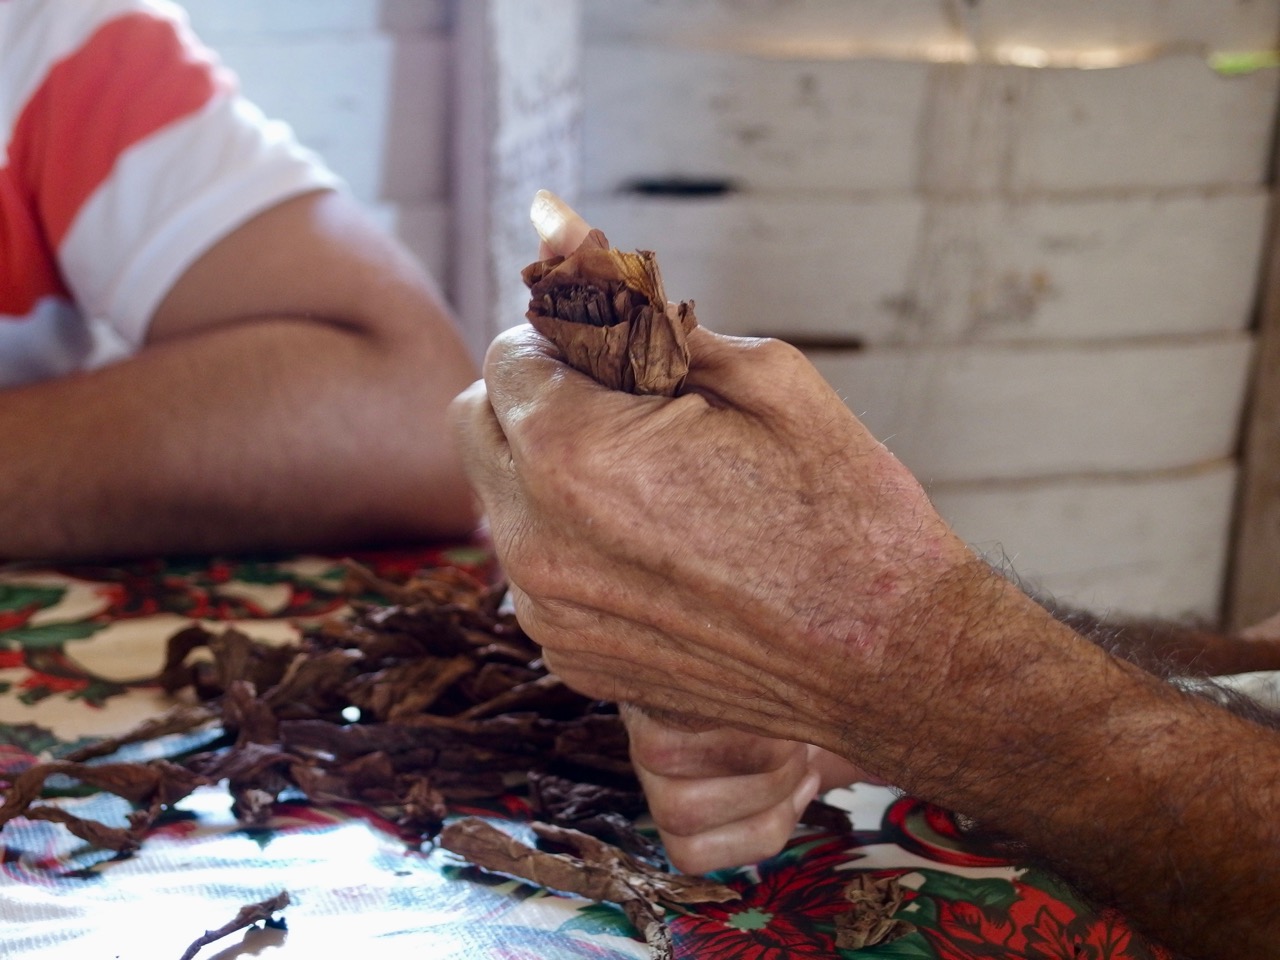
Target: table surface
77,645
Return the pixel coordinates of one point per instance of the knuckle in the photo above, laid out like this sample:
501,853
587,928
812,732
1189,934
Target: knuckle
691,855
772,350
704,852
655,751
673,814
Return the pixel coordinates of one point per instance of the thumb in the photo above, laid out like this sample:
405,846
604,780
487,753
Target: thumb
560,228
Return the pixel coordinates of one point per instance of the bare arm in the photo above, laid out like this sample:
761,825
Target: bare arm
292,395
848,616
1176,650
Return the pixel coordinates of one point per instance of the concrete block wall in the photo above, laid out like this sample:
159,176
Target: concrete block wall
1036,284
363,82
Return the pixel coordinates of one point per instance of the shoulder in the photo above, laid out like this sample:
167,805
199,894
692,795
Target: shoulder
50,47
50,30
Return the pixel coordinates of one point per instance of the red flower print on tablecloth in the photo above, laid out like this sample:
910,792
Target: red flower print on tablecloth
399,565
1035,926
47,683
9,619
788,913
198,589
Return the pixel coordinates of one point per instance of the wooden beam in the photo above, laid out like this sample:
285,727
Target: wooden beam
1253,588
517,128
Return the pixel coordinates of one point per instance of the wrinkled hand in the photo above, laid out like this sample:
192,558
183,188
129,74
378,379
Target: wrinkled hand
721,797
745,554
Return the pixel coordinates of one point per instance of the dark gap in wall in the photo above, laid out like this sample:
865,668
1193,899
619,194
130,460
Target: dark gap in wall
819,341
680,186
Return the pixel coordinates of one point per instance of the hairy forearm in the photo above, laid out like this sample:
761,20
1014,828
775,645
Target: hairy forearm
265,434
1170,818
1145,797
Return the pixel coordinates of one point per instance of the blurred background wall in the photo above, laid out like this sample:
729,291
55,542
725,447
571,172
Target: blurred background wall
1023,238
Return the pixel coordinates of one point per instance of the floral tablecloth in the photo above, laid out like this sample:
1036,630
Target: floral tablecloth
77,646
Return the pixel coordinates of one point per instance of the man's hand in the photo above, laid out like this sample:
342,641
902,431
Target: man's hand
721,797
693,531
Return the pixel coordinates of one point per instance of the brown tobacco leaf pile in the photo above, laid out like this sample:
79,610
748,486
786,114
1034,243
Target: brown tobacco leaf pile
431,697
608,313
449,697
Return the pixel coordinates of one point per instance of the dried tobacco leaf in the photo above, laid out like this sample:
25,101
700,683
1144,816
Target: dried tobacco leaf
605,812
658,886
246,917
401,706
594,869
180,719
153,785
875,900
608,313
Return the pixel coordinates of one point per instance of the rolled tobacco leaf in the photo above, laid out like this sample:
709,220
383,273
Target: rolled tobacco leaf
608,313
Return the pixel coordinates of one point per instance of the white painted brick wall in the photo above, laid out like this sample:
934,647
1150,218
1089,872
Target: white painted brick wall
221,19
373,105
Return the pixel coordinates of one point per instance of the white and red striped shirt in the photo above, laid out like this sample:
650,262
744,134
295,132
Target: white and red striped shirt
127,153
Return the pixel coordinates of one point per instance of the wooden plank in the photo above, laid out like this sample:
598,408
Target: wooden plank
1160,24
1084,269
1005,412
226,19
889,270
1137,544
374,106
809,268
1254,589
918,25
652,112
1146,544
844,126
752,24
518,128
1170,123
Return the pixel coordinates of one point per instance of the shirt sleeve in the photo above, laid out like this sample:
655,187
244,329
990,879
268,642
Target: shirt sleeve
160,158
